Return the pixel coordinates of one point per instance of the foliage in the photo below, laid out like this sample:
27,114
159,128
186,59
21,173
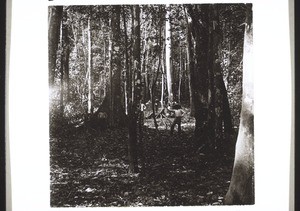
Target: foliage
231,16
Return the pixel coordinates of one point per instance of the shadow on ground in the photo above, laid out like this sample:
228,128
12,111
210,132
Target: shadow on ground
91,169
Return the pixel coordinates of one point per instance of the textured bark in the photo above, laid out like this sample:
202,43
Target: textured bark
214,119
222,108
65,54
55,17
228,127
116,69
241,189
219,111
199,73
134,105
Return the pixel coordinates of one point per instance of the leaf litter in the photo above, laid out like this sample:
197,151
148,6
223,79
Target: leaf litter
91,170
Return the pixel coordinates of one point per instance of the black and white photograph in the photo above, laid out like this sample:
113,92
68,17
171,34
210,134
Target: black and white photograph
151,105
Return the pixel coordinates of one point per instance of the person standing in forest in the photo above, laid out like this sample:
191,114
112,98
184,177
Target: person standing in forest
142,109
178,112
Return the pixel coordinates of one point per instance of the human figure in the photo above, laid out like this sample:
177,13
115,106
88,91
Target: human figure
156,105
142,108
178,112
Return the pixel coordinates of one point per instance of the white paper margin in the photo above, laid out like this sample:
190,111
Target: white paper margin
28,104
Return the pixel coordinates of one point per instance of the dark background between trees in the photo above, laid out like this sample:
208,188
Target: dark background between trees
104,61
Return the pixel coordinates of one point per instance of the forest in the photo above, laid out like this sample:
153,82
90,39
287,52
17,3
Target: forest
151,105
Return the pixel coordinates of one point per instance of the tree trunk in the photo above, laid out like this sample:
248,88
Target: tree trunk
65,55
168,55
153,90
132,74
228,128
144,66
162,87
199,73
89,68
190,61
64,63
116,69
222,103
154,78
110,90
179,75
66,29
55,17
241,189
127,75
163,77
147,94
61,97
103,76
135,104
216,109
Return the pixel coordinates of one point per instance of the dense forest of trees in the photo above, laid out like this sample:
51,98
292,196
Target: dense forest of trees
106,62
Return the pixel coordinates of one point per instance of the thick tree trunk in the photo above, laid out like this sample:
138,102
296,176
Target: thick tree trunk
219,111
222,109
241,189
214,112
199,73
116,97
228,127
55,17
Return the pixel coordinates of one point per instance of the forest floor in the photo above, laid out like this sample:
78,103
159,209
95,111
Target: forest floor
91,169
